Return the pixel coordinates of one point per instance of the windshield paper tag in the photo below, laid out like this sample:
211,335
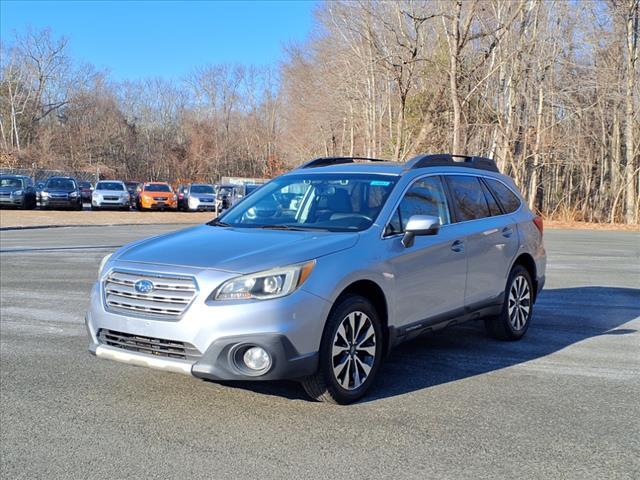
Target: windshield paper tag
379,183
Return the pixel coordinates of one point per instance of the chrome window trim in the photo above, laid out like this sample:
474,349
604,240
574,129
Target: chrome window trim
442,174
142,273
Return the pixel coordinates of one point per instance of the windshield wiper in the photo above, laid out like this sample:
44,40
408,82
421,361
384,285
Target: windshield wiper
217,223
289,227
281,227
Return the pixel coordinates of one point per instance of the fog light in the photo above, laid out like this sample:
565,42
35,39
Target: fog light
257,359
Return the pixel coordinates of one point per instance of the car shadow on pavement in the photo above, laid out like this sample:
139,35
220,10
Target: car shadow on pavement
562,317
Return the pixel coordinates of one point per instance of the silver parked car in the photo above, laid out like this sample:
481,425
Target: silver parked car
198,196
320,272
110,194
17,191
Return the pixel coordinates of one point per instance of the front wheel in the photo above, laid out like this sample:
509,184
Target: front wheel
514,318
350,353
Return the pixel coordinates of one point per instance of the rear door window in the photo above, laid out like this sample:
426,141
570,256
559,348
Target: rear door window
509,200
468,198
494,208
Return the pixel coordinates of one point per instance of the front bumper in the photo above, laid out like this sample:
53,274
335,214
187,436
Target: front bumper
152,204
102,203
13,200
195,205
60,202
289,328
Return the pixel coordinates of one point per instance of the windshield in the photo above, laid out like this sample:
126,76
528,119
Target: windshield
202,189
110,186
132,186
334,202
9,182
61,184
84,185
157,187
225,190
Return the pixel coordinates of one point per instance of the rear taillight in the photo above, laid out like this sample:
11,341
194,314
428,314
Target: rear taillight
538,223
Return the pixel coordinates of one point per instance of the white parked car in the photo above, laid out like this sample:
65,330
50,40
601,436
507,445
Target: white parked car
110,194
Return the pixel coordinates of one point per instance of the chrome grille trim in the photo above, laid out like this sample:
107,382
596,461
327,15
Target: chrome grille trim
149,345
169,299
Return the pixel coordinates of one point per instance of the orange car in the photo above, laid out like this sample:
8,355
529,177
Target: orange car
156,195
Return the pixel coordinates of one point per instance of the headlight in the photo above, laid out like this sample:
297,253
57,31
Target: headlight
265,285
103,262
17,193
174,197
45,194
73,194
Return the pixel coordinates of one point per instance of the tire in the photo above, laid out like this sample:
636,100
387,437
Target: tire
78,207
513,321
339,378
94,208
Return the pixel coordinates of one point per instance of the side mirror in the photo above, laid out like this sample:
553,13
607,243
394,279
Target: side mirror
420,225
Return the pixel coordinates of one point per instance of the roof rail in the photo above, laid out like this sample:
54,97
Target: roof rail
325,161
451,160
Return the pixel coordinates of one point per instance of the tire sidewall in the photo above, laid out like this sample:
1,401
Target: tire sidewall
518,270
340,311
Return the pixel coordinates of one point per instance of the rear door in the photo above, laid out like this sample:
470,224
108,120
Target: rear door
491,239
430,275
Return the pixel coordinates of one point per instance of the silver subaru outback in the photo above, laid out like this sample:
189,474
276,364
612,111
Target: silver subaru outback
322,271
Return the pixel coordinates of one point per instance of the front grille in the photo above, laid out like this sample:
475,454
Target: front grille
149,345
112,199
159,199
207,200
170,297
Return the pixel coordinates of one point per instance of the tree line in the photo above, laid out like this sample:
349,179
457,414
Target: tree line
549,88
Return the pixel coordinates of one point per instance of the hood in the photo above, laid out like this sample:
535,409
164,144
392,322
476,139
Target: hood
158,194
10,189
58,190
111,192
244,250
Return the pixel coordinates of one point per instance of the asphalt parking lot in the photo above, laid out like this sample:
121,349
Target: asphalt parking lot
562,403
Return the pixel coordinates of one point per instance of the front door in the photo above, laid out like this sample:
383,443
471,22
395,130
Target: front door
430,275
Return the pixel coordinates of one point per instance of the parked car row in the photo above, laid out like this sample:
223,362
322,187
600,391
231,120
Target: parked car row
65,192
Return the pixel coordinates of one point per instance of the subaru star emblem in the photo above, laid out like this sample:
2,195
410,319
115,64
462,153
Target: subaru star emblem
143,286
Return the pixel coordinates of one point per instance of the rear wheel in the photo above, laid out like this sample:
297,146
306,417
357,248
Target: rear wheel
514,318
350,353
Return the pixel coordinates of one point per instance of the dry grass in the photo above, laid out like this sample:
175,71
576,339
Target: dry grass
31,218
574,225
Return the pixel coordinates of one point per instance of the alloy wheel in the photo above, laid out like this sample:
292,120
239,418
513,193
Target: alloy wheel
519,302
353,351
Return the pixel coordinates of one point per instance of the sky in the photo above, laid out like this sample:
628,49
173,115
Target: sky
138,39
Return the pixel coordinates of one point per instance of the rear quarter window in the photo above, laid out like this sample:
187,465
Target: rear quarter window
509,200
468,198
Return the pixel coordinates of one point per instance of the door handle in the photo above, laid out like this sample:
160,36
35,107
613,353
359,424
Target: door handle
457,246
507,232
